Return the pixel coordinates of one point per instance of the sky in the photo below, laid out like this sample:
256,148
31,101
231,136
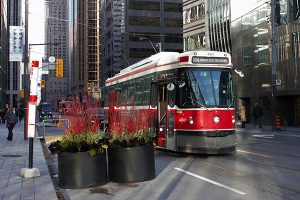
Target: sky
36,27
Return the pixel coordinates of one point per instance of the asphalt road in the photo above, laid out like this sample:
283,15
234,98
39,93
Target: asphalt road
266,166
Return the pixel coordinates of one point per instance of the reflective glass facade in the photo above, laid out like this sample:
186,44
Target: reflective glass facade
218,14
251,53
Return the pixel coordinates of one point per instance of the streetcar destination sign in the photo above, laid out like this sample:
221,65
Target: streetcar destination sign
212,60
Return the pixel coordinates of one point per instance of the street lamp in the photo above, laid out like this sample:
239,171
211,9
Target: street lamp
157,44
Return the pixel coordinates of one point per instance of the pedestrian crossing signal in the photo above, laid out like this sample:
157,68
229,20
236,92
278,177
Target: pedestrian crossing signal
59,67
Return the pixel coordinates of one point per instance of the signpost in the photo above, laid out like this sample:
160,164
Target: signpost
31,126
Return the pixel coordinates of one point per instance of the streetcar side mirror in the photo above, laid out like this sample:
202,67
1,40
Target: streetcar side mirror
181,84
239,72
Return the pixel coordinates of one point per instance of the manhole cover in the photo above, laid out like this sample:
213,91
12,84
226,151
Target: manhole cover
14,156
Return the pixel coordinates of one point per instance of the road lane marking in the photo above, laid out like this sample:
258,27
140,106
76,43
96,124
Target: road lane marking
265,141
263,136
287,135
253,153
210,181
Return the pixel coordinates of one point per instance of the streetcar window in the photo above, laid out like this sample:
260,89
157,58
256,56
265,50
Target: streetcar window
154,94
146,93
131,93
138,91
205,88
118,97
124,93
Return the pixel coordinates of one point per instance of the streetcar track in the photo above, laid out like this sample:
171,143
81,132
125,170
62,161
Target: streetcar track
270,152
269,163
269,141
244,175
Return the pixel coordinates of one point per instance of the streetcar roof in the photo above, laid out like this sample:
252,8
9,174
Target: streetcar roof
162,57
153,62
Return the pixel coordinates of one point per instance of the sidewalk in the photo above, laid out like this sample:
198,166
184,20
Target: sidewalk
14,157
268,129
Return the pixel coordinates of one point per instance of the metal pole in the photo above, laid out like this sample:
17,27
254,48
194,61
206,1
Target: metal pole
30,157
274,63
26,60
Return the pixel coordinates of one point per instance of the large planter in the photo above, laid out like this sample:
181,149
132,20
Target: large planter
128,165
80,170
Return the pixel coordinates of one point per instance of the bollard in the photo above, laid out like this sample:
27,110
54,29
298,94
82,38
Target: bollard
278,127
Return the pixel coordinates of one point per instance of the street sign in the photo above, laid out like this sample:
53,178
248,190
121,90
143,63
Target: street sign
51,59
59,67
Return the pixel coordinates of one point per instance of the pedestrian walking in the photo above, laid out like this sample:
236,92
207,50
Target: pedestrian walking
20,114
2,113
11,120
242,114
257,115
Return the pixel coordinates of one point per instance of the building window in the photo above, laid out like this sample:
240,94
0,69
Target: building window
246,56
173,22
173,7
144,5
295,45
173,38
194,14
144,21
194,42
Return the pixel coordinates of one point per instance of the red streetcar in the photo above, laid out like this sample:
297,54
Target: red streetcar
188,95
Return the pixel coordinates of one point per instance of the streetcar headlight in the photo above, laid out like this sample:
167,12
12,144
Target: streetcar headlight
191,120
233,119
216,119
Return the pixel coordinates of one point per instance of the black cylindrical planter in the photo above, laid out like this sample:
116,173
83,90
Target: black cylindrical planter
80,170
129,165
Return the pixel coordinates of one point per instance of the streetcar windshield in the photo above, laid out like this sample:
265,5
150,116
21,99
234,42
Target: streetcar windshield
205,88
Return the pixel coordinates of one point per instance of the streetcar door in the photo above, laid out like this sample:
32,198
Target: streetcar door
154,106
162,114
170,136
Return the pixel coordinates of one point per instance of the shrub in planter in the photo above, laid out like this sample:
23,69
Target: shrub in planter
81,153
131,151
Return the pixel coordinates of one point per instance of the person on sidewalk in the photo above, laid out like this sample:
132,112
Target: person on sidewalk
257,115
242,114
11,120
20,114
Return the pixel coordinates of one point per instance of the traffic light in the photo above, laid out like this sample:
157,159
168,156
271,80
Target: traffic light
89,87
43,83
22,94
59,67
